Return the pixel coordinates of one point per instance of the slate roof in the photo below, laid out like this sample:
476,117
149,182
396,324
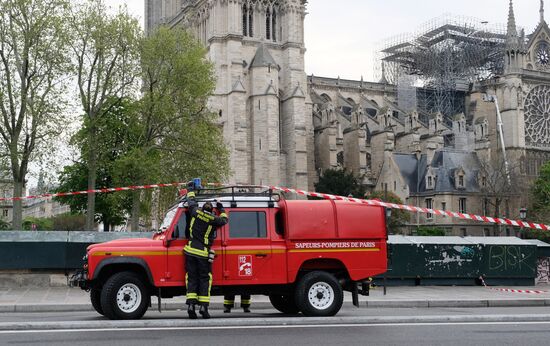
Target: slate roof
444,165
263,58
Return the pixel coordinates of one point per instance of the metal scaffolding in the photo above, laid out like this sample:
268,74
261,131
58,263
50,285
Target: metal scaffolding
435,67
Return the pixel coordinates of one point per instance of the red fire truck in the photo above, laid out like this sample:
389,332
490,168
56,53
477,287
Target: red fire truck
301,253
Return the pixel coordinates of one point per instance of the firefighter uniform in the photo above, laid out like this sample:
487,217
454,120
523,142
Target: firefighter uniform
202,232
229,302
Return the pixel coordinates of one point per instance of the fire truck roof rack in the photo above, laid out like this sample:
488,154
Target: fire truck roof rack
238,193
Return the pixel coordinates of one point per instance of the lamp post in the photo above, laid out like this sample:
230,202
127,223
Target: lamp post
523,217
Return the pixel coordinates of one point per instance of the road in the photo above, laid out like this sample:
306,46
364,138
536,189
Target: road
346,330
487,334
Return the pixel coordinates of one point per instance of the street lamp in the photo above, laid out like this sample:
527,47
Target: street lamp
523,217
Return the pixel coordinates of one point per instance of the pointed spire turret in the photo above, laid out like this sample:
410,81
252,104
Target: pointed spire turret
383,80
512,33
541,11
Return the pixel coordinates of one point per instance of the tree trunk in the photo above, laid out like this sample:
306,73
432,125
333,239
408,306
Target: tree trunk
17,221
136,200
106,226
92,176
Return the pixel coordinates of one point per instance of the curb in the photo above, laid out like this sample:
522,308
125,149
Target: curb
174,306
262,322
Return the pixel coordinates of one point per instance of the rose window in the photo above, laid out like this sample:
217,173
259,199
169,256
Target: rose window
537,117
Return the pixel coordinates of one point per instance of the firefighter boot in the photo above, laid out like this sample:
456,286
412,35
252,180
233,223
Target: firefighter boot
246,309
191,311
204,312
226,309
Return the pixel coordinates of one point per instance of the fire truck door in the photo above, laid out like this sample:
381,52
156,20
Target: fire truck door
175,274
247,248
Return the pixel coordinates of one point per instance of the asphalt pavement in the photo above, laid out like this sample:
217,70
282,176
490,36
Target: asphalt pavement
44,299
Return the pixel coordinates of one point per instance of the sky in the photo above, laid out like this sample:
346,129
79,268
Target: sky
342,36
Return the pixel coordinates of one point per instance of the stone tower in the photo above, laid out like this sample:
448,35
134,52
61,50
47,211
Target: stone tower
257,48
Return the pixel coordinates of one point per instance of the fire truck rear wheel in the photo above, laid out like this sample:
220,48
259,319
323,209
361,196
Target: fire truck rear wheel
319,294
95,298
284,303
124,297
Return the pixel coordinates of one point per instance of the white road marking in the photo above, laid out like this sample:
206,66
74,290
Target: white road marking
423,324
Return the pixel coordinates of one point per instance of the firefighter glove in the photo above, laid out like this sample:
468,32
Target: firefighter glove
211,255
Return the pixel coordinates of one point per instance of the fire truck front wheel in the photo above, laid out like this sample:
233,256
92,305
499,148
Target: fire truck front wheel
124,297
319,294
284,303
95,298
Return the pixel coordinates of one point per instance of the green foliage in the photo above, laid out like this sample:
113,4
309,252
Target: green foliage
41,224
398,218
341,183
540,196
430,231
4,225
34,64
69,222
114,131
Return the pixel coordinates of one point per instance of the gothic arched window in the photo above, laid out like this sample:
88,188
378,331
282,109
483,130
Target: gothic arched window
274,25
245,20
268,24
248,20
271,24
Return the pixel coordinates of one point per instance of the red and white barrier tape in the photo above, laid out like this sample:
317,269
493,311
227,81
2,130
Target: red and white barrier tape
510,290
414,209
113,189
410,208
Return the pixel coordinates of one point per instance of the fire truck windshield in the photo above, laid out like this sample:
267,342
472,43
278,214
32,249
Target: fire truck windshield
168,218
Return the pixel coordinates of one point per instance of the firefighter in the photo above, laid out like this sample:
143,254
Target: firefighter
199,255
229,302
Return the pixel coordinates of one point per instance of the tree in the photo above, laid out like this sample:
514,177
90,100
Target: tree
179,134
540,196
33,65
500,186
107,64
399,218
112,141
341,183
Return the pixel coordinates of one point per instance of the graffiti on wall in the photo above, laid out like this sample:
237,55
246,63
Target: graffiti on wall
543,270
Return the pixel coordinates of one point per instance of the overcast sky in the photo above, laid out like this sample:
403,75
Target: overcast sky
341,36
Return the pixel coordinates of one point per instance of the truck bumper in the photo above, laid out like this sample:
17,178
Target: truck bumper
80,279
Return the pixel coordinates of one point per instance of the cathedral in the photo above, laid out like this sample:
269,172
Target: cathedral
283,127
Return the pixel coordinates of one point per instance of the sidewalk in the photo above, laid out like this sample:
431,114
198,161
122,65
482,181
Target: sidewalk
50,299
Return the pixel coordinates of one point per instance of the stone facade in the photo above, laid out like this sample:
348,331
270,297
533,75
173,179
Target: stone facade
283,127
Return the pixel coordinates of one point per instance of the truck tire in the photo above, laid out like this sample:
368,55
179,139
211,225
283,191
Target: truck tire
95,298
284,303
124,297
319,294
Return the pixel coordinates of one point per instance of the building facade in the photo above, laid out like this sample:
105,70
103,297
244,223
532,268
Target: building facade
283,127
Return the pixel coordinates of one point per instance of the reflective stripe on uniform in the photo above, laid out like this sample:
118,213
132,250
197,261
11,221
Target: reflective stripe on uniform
209,283
203,299
223,215
228,302
192,251
246,301
191,295
207,234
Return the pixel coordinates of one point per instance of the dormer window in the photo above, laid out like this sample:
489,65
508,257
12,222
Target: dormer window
460,179
431,179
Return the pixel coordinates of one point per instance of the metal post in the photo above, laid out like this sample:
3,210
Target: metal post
501,135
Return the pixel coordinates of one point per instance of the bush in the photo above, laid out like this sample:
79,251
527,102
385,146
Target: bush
40,224
69,222
430,232
4,225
